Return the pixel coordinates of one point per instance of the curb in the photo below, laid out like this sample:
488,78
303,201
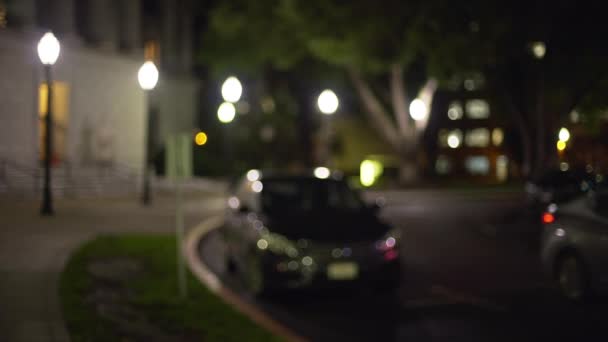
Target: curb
208,278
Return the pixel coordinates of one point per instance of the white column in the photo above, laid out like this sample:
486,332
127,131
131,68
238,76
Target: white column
186,22
130,34
103,23
168,46
64,18
25,11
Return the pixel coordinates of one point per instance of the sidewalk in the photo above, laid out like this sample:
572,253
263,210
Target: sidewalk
33,250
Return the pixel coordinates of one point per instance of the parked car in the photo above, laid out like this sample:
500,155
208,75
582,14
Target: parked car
574,246
297,231
558,186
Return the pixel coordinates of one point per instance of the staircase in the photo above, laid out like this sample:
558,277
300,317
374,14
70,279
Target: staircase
68,181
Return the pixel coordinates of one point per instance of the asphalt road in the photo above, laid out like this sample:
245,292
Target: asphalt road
470,273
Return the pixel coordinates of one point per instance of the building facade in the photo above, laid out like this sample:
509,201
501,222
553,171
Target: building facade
468,139
99,109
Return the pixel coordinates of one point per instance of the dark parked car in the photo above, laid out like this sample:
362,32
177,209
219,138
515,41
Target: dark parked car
306,230
558,186
575,244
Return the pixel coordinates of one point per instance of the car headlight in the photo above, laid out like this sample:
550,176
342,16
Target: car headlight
389,241
278,245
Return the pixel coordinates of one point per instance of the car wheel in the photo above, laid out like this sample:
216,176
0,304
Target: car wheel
571,277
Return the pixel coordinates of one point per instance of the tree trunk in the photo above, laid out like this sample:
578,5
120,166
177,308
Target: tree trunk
375,112
409,167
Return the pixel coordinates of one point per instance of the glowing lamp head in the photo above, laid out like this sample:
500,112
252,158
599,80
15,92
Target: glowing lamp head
226,112
200,138
561,145
48,49
147,76
328,102
453,141
564,134
322,172
253,175
418,110
232,89
539,49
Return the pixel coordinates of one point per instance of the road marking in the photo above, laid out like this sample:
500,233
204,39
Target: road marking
460,297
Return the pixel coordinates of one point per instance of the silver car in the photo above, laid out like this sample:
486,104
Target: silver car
574,245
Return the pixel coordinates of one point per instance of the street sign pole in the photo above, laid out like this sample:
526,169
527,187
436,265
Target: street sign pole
179,167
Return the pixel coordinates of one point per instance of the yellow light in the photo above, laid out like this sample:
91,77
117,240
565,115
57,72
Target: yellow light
200,138
262,244
497,136
369,171
561,145
539,49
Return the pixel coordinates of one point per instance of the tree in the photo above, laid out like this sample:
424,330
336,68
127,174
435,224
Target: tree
377,49
543,60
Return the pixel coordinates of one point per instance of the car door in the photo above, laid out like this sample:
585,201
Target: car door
241,232
235,219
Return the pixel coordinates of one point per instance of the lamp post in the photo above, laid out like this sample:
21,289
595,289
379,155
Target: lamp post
48,52
147,77
328,104
231,93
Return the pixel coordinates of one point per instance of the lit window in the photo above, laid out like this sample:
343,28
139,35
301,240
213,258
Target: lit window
455,138
497,136
447,138
443,165
455,111
2,15
477,165
502,168
442,137
575,116
478,137
477,109
61,111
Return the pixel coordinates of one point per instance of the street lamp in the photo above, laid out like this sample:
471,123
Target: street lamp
564,134
226,112
147,77
328,104
418,110
232,89
48,52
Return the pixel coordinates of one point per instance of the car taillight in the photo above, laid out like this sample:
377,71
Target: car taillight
548,218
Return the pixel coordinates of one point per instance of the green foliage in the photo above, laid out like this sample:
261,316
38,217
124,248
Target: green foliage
153,292
283,33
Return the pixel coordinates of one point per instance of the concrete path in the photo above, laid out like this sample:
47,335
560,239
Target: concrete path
34,249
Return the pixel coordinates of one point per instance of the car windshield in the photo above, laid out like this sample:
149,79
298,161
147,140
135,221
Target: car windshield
308,195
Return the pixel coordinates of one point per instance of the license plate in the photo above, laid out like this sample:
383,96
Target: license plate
342,271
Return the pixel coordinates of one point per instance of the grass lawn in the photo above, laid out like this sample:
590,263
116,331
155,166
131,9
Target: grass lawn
124,288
